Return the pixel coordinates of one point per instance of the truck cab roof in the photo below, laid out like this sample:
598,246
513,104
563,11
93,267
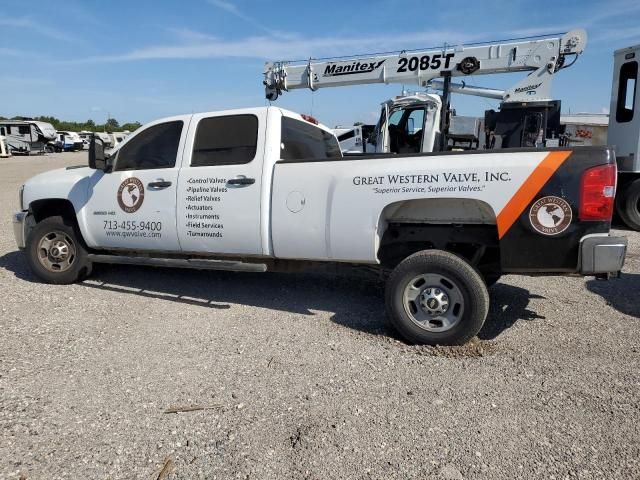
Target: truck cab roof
240,111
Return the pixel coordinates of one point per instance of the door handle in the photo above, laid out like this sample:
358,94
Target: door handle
159,184
241,181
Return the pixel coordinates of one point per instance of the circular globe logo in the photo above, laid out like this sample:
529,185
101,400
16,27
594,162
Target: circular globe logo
550,215
130,195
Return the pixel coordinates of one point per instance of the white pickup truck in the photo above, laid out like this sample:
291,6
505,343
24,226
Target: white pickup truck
266,189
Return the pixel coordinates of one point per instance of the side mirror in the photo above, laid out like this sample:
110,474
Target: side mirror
97,158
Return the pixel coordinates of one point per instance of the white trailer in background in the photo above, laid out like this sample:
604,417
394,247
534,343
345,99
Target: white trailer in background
355,139
85,136
624,133
24,137
106,138
117,138
4,151
585,129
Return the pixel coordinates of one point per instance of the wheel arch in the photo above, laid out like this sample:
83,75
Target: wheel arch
43,208
466,227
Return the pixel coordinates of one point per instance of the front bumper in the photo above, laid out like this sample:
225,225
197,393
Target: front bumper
20,228
600,254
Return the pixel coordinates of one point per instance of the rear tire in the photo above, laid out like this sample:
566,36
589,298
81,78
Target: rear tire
56,253
628,205
434,297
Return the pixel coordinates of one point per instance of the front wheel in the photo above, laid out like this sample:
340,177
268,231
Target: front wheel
56,253
434,297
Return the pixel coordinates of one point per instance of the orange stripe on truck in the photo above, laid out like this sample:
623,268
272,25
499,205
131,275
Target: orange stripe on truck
528,190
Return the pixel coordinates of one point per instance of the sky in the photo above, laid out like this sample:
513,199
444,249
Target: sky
139,60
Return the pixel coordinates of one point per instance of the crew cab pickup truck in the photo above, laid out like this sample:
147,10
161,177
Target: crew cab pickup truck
265,189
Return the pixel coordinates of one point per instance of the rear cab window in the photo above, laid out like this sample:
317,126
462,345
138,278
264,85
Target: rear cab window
225,140
302,141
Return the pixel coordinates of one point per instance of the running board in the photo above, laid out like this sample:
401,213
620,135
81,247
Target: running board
199,264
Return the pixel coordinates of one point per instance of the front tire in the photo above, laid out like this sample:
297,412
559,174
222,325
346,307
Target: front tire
434,297
55,252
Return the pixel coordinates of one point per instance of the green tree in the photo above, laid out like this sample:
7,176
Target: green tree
131,126
112,125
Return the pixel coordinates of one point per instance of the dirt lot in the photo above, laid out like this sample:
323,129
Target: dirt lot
300,378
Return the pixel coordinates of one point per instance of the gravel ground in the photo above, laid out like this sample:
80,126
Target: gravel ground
297,376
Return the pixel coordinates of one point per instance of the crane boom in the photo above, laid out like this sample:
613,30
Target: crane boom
542,56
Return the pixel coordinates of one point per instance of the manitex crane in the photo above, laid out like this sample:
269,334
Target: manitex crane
416,122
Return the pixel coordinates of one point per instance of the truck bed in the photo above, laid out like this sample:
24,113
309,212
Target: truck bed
341,208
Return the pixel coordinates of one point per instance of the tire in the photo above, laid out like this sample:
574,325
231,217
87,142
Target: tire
628,205
56,252
450,299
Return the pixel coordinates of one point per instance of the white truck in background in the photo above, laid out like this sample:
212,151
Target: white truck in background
265,189
624,133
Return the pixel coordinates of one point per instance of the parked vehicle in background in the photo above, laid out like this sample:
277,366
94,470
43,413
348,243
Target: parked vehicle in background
267,189
86,138
355,139
584,129
109,140
117,138
68,142
4,151
26,137
106,138
624,133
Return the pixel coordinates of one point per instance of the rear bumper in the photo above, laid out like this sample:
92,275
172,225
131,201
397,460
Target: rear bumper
19,228
600,254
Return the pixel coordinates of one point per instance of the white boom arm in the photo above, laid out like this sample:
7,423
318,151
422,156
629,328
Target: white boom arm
542,56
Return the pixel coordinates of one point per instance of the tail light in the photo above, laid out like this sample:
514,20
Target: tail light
597,191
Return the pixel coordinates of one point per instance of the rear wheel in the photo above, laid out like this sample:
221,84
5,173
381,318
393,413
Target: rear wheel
435,297
56,253
628,204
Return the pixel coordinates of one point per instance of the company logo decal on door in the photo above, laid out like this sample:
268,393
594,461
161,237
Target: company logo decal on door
550,215
130,195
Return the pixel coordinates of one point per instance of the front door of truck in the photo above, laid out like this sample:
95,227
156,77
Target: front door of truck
134,206
219,190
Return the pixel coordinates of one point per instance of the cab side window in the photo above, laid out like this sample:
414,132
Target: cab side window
226,140
155,147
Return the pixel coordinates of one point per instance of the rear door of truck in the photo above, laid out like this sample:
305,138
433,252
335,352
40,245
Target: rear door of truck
220,183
